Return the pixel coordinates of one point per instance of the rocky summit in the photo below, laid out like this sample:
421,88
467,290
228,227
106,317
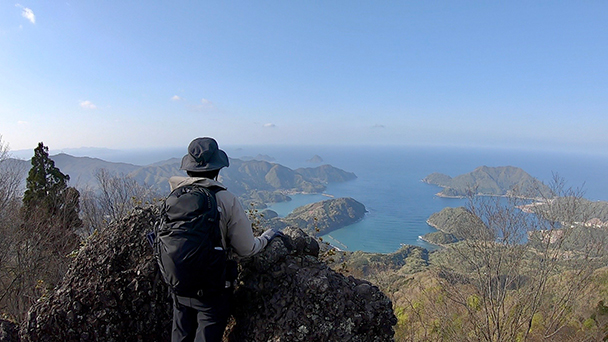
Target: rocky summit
114,292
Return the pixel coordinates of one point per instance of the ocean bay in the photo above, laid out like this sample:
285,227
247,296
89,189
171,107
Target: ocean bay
399,203
389,182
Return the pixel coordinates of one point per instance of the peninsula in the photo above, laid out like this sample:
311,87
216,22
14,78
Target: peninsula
456,224
322,217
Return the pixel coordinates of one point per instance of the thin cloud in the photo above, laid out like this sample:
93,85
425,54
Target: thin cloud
270,125
22,123
27,13
205,104
176,98
87,105
378,126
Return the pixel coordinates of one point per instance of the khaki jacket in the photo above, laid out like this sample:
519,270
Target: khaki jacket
234,223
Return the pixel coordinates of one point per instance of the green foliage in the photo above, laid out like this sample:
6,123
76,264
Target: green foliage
537,322
474,302
589,324
47,194
44,180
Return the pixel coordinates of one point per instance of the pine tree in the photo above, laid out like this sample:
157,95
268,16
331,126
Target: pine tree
48,197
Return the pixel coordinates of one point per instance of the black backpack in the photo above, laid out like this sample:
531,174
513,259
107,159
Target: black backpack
188,242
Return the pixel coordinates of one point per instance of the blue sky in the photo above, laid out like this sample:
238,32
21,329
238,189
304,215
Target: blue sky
135,74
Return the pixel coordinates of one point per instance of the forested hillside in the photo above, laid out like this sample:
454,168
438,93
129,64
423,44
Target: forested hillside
504,275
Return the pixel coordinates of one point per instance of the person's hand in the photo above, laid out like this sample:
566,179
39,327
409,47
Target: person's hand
270,234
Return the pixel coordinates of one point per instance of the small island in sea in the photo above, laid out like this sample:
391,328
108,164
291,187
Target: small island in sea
490,181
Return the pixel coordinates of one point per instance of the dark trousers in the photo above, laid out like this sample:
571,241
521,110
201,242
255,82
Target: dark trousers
200,320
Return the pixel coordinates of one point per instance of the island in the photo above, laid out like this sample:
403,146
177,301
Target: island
316,159
490,181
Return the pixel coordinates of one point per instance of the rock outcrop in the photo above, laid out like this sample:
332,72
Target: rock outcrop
289,296
113,292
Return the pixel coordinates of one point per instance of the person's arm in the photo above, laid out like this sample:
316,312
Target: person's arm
239,234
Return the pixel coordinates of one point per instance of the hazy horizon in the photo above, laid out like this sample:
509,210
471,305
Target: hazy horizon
146,156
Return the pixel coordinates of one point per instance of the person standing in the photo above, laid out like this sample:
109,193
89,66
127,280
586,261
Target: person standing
204,318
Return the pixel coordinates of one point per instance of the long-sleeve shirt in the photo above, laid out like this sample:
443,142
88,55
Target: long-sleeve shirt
234,223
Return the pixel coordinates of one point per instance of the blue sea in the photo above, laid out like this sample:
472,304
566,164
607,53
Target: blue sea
389,182
399,203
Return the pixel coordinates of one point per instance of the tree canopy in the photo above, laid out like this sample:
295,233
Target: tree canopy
47,195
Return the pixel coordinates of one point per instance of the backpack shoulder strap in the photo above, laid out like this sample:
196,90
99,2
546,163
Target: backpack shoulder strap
214,189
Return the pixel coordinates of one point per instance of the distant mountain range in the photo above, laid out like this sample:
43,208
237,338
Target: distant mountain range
253,180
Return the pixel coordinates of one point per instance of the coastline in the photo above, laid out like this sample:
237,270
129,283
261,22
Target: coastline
422,237
332,229
439,245
433,225
439,194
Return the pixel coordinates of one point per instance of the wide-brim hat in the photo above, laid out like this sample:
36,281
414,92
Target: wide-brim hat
204,155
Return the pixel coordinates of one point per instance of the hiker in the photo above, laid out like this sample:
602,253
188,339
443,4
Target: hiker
204,318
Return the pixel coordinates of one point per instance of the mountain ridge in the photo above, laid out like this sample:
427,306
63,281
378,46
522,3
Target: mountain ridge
245,178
